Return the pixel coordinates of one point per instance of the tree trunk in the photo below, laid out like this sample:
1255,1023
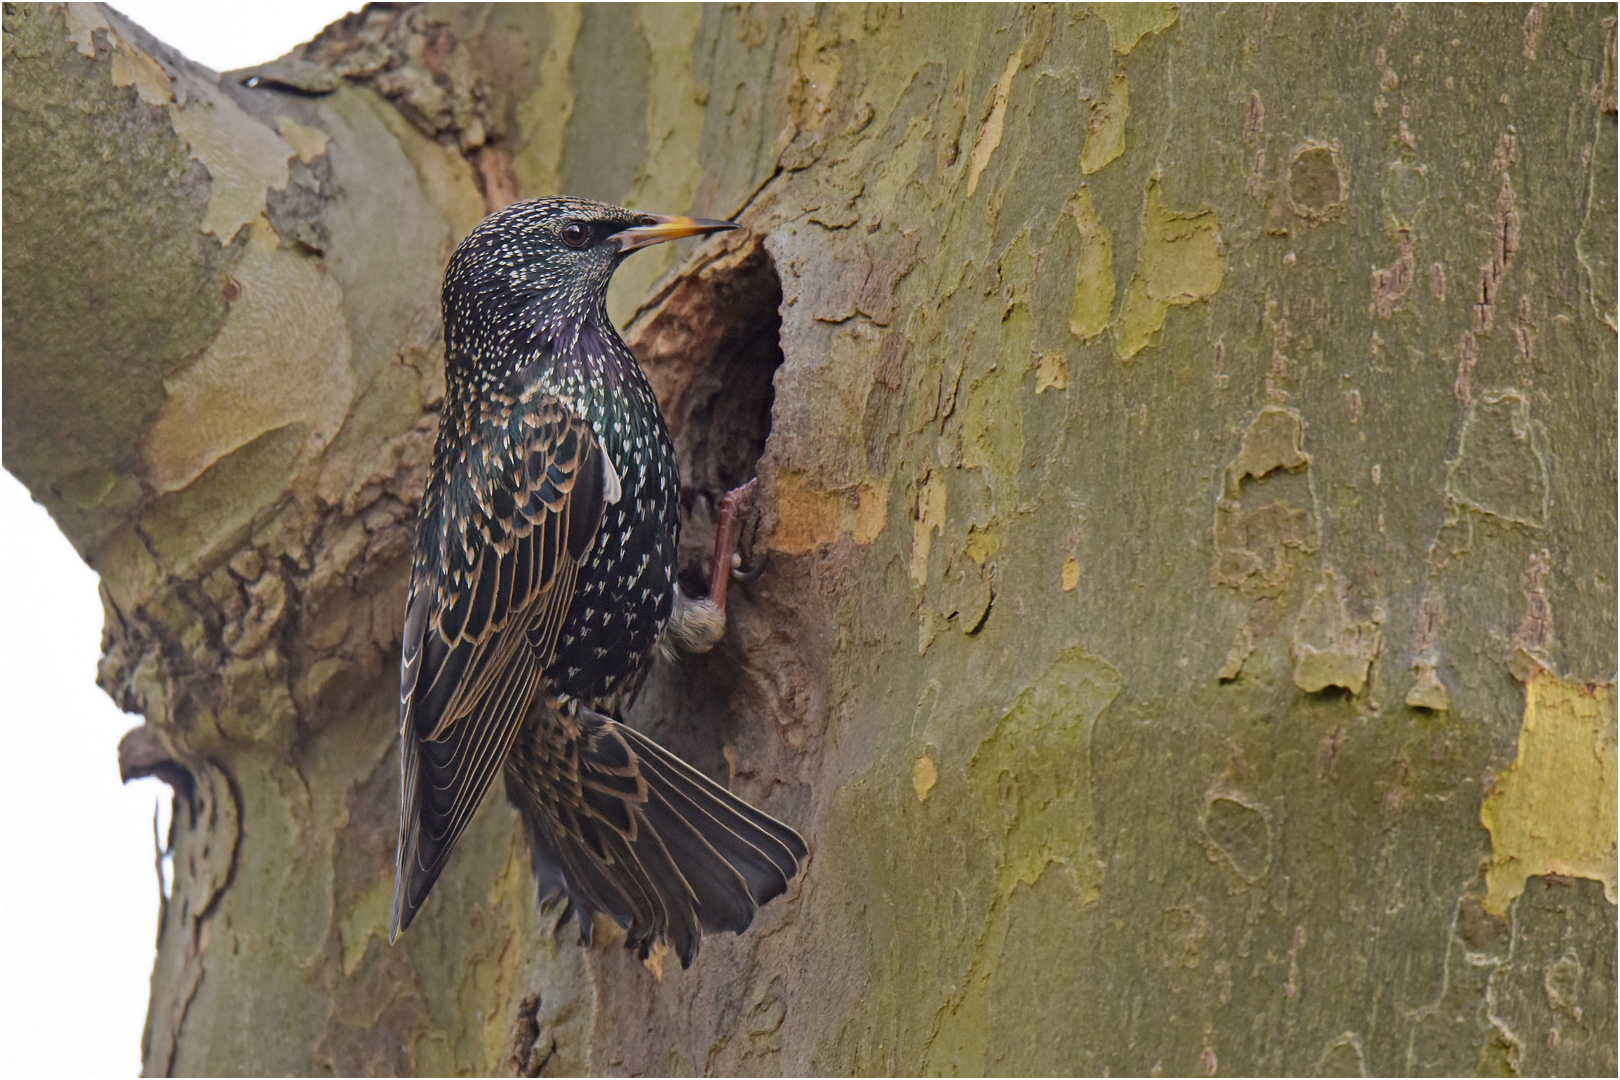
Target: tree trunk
1187,443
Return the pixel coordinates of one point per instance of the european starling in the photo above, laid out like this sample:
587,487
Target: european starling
542,585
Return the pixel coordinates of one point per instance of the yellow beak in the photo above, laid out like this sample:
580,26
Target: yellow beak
656,228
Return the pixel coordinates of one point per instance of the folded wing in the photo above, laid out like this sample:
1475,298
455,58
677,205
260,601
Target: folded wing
497,553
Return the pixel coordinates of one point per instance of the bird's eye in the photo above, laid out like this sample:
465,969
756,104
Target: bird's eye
576,235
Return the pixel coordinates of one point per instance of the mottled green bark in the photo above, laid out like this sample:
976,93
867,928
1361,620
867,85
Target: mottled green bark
1189,635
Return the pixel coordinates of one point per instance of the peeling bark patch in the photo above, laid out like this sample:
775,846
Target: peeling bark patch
807,517
1274,440
1427,691
1094,271
1329,647
1051,372
994,120
928,520
1180,264
1105,132
1241,834
1130,23
961,596
1599,236
307,142
244,158
416,61
130,66
1501,466
1251,544
1317,189
924,775
1553,810
282,358
1390,285
1261,528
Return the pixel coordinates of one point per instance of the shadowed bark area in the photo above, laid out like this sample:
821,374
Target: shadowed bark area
1187,445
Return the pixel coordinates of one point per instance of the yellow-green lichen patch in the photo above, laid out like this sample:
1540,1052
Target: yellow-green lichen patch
1030,782
1180,264
1553,810
1130,23
1031,779
983,541
1094,273
1105,132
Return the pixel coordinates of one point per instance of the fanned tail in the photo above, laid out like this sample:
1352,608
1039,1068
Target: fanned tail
620,825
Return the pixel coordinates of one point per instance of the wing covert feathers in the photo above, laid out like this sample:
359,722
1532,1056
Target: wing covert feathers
491,583
620,825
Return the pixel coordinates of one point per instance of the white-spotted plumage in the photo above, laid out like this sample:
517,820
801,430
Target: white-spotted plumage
543,584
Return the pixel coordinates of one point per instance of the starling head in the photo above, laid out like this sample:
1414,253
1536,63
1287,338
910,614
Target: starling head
538,271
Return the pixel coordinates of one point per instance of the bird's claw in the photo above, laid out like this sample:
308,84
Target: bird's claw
748,577
726,560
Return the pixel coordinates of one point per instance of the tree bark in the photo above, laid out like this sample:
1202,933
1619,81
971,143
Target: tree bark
1187,443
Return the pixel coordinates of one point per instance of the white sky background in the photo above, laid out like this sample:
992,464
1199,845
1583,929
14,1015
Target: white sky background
78,908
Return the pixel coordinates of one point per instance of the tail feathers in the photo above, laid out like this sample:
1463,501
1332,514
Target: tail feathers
694,858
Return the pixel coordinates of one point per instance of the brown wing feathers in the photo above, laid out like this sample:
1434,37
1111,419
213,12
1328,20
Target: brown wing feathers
478,634
616,823
620,825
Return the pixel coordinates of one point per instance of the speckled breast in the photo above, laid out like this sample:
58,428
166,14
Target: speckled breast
623,595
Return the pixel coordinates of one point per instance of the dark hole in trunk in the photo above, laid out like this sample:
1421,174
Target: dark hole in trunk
711,351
